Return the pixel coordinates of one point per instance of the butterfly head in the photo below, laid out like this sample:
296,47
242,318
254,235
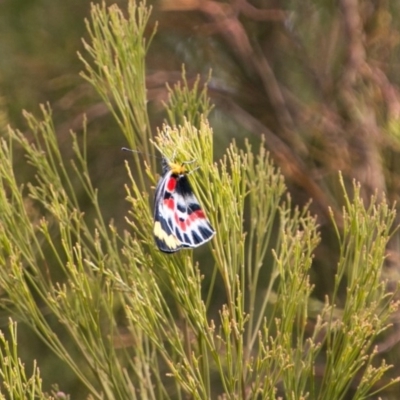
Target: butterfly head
175,168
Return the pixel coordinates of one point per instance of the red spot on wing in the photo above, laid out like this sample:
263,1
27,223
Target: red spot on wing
182,224
171,184
169,203
198,214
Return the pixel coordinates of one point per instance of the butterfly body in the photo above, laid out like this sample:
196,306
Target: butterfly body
179,221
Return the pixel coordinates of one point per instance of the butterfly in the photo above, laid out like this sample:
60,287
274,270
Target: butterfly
179,221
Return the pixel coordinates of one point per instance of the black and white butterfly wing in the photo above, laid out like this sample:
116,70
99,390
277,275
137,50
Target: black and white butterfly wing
179,221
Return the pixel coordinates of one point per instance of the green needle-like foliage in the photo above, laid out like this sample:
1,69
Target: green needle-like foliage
143,324
16,383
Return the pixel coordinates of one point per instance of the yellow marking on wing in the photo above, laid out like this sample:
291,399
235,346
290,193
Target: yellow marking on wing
170,240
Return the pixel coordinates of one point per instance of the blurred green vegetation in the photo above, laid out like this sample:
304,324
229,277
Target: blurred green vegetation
319,81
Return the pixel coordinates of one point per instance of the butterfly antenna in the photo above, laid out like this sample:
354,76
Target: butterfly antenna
132,151
137,152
